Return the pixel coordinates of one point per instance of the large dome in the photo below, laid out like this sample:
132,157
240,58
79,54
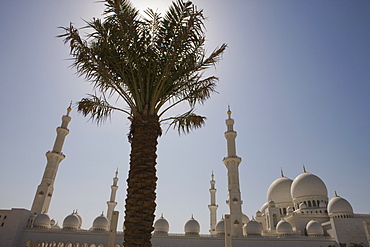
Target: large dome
339,206
101,223
284,228
161,225
308,185
192,226
314,228
71,222
253,228
42,221
279,190
220,227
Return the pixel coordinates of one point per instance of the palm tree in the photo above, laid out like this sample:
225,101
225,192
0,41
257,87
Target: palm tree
151,64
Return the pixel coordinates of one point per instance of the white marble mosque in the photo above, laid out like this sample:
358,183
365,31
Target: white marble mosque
297,213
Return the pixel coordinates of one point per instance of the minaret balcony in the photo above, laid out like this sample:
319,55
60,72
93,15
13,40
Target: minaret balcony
53,154
63,130
230,134
232,160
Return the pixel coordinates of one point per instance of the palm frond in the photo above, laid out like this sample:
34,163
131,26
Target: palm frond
186,122
97,108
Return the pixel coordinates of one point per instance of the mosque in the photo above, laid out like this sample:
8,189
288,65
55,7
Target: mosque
297,213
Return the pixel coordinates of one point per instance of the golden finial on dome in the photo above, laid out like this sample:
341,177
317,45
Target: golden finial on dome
69,109
228,111
335,193
117,172
304,169
212,175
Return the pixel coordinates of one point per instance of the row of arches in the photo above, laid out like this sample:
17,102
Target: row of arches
313,212
311,204
284,210
63,244
343,216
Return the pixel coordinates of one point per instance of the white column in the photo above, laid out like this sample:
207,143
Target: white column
232,162
113,229
45,190
228,237
112,202
213,207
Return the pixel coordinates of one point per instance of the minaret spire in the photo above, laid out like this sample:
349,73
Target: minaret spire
45,190
213,207
232,162
112,203
228,111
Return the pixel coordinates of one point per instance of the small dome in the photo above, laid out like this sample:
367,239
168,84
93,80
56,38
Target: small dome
314,228
307,184
284,228
192,227
253,228
71,222
279,190
245,219
55,226
42,221
52,222
263,208
220,227
339,206
101,223
161,225
258,214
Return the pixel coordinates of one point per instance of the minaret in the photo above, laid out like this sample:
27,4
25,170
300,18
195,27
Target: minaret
45,190
213,207
232,163
111,203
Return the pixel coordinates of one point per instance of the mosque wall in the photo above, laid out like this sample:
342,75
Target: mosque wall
351,230
172,241
51,236
12,223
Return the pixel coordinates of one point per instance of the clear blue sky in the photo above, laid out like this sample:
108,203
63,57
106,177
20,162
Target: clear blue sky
296,74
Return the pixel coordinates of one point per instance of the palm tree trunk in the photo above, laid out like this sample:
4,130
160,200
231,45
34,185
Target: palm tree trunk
141,182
